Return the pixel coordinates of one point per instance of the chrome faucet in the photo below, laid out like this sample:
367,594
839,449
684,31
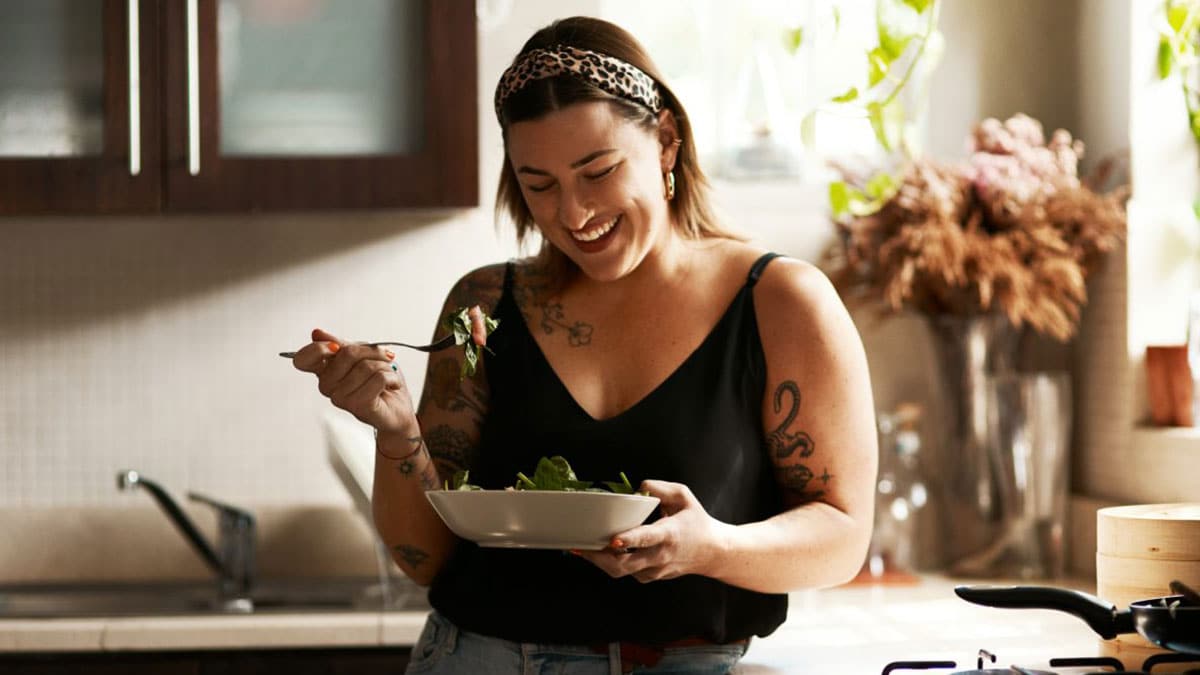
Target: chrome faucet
233,558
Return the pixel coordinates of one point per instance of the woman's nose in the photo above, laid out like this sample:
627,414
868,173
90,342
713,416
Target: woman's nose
572,213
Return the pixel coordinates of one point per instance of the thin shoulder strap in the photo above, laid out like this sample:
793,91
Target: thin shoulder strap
759,265
508,277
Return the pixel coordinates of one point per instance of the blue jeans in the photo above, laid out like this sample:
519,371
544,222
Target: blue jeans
443,649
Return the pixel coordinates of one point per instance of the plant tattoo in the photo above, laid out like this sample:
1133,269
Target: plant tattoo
579,333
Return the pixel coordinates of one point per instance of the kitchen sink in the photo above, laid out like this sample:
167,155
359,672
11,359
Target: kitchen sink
166,599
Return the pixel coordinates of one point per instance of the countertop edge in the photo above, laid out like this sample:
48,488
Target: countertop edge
180,633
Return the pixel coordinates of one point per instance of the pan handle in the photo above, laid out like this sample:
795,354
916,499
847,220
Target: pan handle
1103,617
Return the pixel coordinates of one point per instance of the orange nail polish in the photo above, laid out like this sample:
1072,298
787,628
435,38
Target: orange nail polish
388,353
617,543
574,551
334,347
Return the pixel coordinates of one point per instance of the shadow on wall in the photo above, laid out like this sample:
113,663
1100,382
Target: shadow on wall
55,273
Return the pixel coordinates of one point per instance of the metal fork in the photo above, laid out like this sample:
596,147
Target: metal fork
444,343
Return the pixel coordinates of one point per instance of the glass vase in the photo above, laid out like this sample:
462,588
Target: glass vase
1004,453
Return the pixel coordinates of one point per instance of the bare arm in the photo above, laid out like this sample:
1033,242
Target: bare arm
820,423
443,440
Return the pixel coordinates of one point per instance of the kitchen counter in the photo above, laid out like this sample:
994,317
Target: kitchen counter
850,629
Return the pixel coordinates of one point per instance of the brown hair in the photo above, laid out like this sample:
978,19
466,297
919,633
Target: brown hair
691,211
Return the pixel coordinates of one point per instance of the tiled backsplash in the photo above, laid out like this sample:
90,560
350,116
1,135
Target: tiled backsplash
150,343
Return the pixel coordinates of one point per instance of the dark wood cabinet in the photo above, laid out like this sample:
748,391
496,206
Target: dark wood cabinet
241,105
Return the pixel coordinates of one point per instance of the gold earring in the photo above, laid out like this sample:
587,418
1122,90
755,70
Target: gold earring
670,178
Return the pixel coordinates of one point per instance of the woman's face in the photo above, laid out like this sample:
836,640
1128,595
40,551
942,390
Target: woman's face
593,182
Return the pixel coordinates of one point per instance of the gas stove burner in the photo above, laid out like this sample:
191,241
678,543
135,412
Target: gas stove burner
1105,665
1158,659
979,669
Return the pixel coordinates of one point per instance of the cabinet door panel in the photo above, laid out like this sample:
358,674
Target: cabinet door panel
315,104
66,109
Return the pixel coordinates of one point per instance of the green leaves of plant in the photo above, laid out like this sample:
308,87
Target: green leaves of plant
887,119
919,5
849,95
622,488
552,473
845,199
460,482
793,38
1177,14
1166,57
878,64
1177,47
460,324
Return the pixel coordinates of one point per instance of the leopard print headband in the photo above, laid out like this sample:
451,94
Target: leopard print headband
607,72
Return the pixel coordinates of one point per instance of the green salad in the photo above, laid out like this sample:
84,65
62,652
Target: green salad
472,337
552,473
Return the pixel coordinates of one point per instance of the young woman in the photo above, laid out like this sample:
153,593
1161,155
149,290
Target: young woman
643,338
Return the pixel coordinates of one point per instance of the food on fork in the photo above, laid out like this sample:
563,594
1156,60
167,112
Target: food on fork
471,328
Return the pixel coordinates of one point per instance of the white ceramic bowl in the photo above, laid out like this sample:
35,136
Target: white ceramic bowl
540,519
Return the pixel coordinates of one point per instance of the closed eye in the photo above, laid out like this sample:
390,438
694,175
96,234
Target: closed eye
540,188
602,174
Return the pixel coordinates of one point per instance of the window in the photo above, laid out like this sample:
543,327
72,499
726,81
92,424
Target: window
747,92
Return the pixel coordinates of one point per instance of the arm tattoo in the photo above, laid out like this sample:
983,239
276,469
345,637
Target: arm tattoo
418,444
412,556
481,288
448,392
450,449
783,443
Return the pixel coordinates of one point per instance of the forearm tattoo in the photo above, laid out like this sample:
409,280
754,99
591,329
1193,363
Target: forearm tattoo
450,392
411,555
783,443
450,449
412,465
416,445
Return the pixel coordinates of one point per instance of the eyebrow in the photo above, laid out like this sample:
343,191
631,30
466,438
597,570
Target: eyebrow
574,165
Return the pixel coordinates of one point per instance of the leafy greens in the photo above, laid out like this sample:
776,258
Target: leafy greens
459,323
552,473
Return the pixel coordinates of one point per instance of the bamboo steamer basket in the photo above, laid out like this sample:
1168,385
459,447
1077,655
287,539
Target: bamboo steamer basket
1150,531
1139,550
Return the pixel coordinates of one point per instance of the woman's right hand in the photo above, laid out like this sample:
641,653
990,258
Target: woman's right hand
359,379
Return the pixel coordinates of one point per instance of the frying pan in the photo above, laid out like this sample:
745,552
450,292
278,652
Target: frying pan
1169,621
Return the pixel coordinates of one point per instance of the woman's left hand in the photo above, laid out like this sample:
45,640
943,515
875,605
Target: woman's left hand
685,540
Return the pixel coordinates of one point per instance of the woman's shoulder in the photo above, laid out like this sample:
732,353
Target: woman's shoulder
786,285
481,286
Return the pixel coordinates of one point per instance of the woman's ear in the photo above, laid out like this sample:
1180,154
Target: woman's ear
668,139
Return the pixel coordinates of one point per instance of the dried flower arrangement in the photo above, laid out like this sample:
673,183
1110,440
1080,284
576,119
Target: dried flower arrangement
1013,229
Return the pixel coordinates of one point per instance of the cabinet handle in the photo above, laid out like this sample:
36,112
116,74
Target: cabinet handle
193,85
135,93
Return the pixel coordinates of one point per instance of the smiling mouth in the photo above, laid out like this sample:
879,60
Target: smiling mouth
596,232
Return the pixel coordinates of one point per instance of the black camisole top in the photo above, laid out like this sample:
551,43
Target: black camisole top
702,427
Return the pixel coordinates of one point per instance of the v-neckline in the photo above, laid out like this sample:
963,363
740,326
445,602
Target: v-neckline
737,297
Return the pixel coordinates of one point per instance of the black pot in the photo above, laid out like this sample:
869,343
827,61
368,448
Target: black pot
1169,621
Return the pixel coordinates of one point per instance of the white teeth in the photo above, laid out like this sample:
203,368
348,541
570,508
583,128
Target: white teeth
596,232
